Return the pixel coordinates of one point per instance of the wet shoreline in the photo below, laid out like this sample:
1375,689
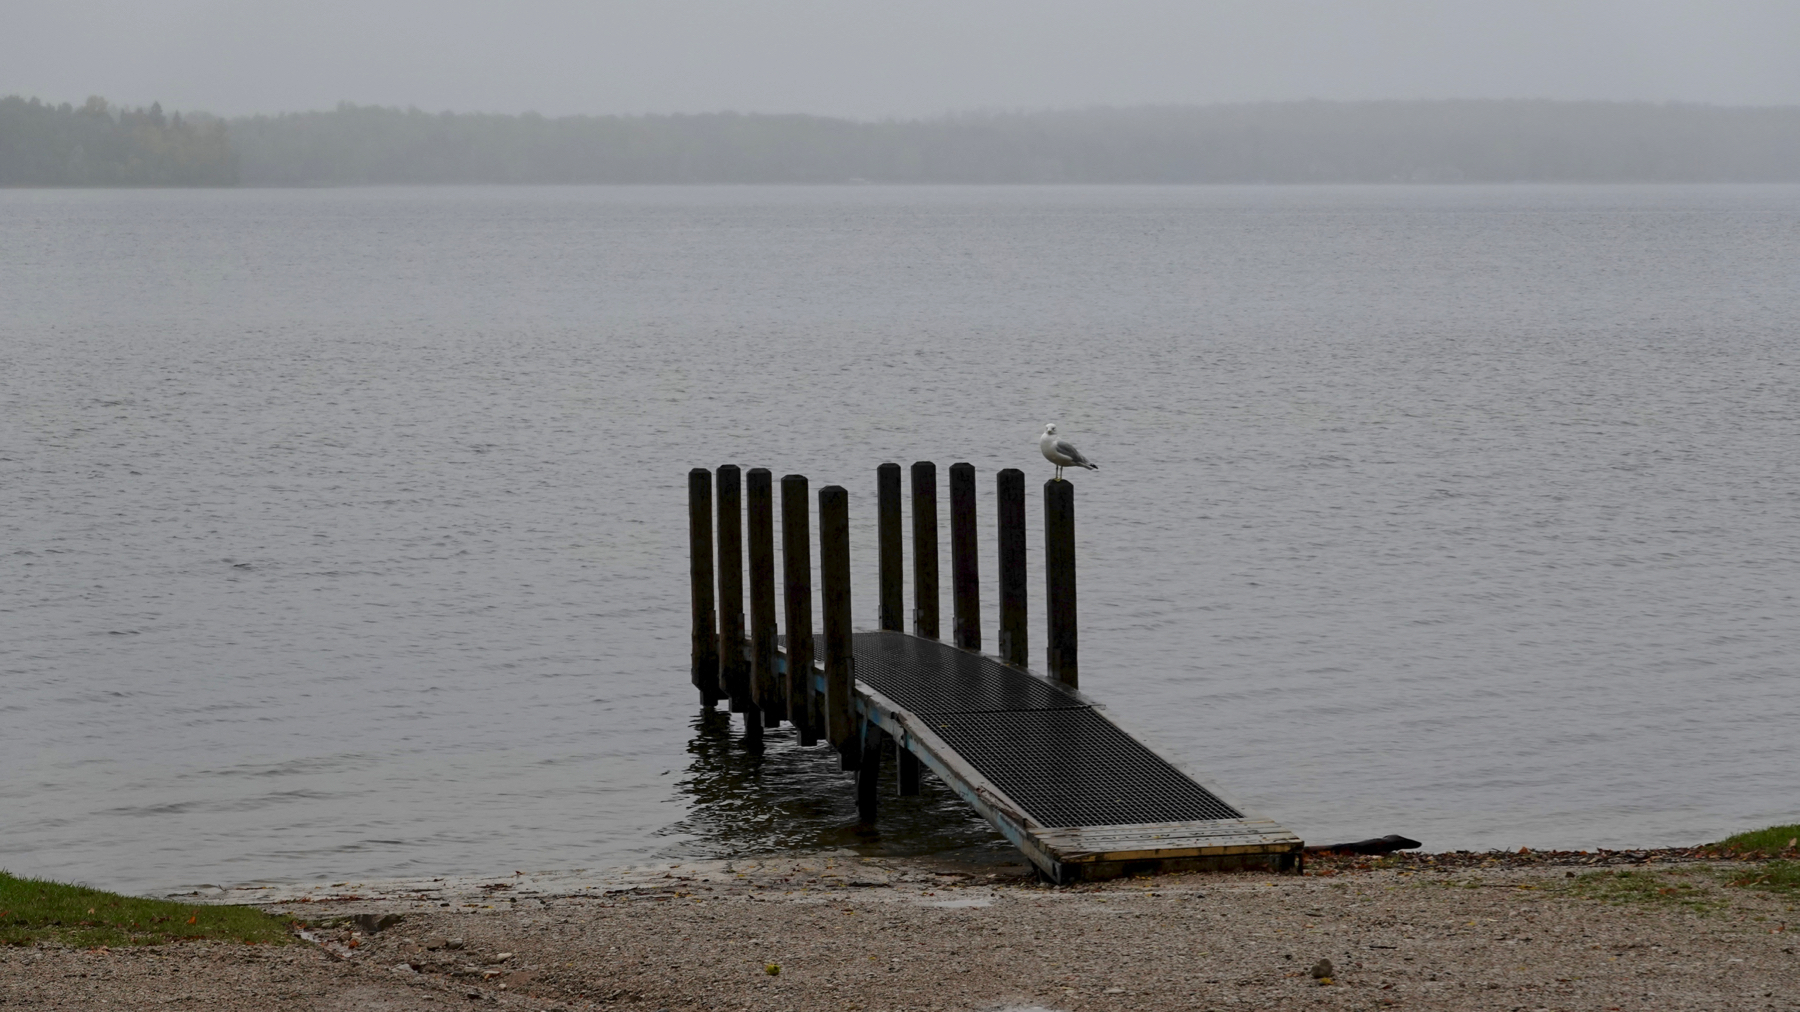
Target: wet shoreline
1652,928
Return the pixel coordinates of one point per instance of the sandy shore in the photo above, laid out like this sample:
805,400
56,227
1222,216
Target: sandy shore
1474,932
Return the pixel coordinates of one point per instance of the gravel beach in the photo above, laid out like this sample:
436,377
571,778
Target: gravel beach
1647,930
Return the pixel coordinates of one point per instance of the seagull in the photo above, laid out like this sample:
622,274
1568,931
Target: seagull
1062,453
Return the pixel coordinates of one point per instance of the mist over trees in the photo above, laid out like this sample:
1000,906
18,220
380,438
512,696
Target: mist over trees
1296,142
1288,142
95,144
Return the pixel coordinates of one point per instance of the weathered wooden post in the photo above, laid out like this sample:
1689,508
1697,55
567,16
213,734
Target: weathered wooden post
893,581
700,575
868,771
1059,580
1014,640
925,550
965,568
765,689
834,597
796,568
734,667
908,771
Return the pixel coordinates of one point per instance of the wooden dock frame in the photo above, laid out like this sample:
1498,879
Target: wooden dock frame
857,718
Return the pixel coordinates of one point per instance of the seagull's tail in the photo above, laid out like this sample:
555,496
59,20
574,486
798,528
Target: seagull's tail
1090,465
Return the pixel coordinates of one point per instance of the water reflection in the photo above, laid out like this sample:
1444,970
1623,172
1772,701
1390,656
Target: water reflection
778,796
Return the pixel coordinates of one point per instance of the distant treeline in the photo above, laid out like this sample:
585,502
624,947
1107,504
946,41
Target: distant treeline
97,145
1286,142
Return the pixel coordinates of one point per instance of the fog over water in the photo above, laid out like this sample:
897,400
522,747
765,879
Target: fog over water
870,60
343,533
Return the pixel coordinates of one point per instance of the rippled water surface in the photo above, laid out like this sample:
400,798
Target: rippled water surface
343,530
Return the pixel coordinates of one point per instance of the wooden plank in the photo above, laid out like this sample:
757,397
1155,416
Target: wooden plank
1169,840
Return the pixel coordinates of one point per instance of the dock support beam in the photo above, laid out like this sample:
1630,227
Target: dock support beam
908,769
834,596
765,690
1059,580
734,667
893,580
700,573
1015,641
796,567
965,569
868,772
925,550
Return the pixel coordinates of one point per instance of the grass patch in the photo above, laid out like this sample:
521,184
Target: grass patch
1669,890
34,910
1775,877
1762,842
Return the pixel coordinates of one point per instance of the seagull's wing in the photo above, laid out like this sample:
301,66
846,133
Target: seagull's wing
1068,450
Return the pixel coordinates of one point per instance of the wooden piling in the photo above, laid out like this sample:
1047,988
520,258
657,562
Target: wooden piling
893,581
1059,580
834,587
925,549
1014,640
965,569
765,686
734,666
868,772
796,569
908,770
700,574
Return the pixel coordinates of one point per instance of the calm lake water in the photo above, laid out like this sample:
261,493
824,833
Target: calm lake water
343,531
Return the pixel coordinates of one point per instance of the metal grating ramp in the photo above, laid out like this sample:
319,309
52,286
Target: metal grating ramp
1076,768
925,676
1045,748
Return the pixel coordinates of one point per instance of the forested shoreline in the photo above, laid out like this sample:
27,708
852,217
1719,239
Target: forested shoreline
97,144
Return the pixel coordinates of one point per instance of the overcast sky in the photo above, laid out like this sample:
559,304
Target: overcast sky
890,58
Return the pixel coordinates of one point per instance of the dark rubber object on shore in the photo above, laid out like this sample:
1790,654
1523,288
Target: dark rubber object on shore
1382,845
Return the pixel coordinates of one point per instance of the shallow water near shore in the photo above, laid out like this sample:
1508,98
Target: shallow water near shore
342,531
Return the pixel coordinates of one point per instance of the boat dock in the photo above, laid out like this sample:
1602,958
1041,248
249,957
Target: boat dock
1079,795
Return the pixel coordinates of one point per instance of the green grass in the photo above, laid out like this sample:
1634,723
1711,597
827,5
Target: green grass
1667,889
1763,842
34,910
1775,877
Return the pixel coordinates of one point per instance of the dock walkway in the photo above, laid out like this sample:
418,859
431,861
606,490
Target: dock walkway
1077,794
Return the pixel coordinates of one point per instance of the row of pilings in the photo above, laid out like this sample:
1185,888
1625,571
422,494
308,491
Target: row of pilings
769,677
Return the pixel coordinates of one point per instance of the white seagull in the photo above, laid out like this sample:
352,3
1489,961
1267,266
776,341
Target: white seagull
1062,453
